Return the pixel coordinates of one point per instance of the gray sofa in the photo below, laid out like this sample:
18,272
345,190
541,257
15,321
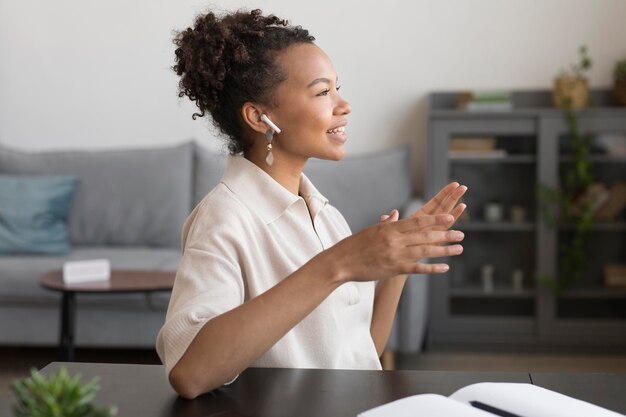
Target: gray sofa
129,208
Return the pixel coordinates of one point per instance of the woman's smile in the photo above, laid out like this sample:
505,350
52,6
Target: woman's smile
338,133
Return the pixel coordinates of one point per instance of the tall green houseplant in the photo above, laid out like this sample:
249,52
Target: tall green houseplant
573,253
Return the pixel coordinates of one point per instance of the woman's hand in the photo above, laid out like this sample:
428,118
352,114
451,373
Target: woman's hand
445,202
395,247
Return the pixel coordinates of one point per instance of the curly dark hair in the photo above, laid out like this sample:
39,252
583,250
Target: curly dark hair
227,61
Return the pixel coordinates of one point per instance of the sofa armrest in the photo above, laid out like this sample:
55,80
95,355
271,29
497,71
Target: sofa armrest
409,326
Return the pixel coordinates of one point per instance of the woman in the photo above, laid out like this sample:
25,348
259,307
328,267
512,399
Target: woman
270,275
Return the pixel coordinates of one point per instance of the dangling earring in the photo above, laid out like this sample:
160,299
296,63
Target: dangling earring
269,135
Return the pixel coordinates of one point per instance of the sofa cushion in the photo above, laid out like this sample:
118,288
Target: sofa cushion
130,197
208,170
19,275
362,187
34,212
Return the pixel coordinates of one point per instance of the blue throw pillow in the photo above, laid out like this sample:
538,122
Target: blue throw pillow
34,212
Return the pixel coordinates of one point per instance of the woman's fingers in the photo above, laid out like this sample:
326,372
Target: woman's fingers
392,217
420,268
433,237
453,199
458,210
439,198
432,251
444,201
421,222
395,246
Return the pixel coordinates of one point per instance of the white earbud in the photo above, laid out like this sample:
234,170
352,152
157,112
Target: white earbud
270,123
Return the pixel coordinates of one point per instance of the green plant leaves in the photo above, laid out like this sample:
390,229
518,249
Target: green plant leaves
573,253
59,395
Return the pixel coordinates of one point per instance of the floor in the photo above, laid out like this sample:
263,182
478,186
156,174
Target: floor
16,362
514,362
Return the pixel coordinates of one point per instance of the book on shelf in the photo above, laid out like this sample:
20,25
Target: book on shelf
486,143
485,100
615,204
480,106
489,399
495,154
474,147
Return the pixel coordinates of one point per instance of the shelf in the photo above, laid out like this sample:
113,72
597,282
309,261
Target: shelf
508,159
600,227
596,159
526,103
476,292
594,293
497,227
527,146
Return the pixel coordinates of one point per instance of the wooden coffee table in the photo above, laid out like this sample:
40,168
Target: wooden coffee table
120,282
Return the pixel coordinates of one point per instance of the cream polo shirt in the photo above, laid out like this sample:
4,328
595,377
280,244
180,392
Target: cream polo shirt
243,238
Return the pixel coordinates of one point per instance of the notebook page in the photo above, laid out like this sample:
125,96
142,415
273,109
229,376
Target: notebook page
425,405
529,400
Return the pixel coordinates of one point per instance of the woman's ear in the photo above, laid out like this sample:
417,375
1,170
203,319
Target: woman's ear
251,114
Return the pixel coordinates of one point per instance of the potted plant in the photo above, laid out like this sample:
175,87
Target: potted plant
59,395
619,85
571,88
559,204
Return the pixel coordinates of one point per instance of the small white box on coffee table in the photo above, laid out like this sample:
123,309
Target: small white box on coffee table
77,272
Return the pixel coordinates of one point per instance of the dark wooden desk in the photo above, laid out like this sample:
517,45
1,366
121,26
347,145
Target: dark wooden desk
120,281
142,390
605,390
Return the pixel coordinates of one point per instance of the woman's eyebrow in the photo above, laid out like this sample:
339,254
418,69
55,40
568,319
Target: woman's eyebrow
319,80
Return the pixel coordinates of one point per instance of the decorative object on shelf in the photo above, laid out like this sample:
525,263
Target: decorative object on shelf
613,144
615,204
57,395
615,275
493,212
619,82
487,278
571,89
518,214
591,198
493,100
517,280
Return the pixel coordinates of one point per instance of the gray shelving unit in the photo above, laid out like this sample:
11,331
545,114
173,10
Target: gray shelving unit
534,136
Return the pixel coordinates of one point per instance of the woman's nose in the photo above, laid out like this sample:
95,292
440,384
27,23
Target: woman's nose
343,107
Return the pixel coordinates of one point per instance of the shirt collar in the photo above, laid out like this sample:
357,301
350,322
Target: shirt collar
265,196
314,199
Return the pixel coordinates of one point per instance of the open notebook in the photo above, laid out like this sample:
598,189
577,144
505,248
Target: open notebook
489,399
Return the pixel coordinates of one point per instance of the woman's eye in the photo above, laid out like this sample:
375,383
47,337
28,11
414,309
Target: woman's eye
325,92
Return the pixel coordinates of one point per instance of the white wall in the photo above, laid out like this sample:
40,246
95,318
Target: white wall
87,74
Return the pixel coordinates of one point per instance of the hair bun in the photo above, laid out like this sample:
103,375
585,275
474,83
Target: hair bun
226,61
201,47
